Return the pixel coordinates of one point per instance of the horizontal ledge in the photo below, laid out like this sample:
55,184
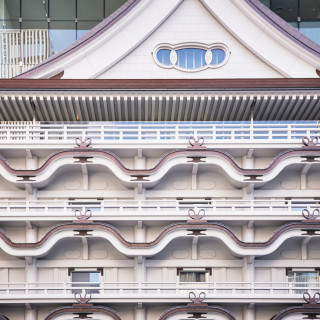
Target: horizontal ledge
141,84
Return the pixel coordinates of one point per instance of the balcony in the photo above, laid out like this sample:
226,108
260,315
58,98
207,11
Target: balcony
115,210
44,292
21,50
118,135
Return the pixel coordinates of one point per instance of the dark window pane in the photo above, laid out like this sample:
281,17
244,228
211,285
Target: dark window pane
90,9
86,279
286,9
85,26
163,56
9,24
113,5
310,9
34,10
311,30
62,10
266,3
11,10
61,34
34,24
192,276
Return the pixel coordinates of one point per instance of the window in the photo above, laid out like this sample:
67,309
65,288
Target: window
191,56
193,276
85,279
302,279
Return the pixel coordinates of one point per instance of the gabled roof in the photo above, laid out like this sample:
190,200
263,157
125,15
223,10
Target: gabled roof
256,28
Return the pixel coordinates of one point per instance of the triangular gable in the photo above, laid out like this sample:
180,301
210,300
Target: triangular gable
122,47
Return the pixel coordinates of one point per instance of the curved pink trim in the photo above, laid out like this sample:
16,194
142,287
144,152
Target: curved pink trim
195,155
196,226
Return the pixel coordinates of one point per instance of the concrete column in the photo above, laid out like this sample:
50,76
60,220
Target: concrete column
140,269
31,313
32,163
139,232
248,232
31,232
248,312
139,162
248,161
248,269
140,312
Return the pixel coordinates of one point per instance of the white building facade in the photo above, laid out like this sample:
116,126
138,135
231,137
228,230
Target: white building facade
164,166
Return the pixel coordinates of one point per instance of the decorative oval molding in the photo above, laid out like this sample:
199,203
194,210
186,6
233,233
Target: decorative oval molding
191,56
180,254
207,184
72,254
288,184
72,184
314,253
207,253
289,254
99,184
99,253
180,184
314,183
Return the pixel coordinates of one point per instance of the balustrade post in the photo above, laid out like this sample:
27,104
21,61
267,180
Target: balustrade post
64,133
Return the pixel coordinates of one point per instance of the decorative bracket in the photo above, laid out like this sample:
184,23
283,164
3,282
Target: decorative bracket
311,216
310,142
311,301
83,143
196,217
82,300
196,143
83,216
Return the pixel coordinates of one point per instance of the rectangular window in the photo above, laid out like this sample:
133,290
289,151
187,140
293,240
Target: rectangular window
193,276
303,279
85,279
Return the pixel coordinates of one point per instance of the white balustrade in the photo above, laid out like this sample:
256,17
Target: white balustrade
167,289
21,50
159,209
160,133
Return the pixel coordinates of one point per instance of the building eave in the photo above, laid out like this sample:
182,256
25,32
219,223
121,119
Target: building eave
160,84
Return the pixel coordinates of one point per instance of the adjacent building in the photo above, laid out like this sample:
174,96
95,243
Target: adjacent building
164,166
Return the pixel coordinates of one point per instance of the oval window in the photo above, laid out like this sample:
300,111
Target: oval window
163,56
191,58
218,56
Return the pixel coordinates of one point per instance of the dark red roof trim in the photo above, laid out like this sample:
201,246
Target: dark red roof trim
197,310
309,310
158,84
82,310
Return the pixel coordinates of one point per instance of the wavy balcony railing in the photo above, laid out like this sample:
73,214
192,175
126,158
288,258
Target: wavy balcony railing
157,209
159,133
158,289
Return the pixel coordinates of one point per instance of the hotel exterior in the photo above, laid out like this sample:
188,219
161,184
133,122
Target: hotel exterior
165,165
